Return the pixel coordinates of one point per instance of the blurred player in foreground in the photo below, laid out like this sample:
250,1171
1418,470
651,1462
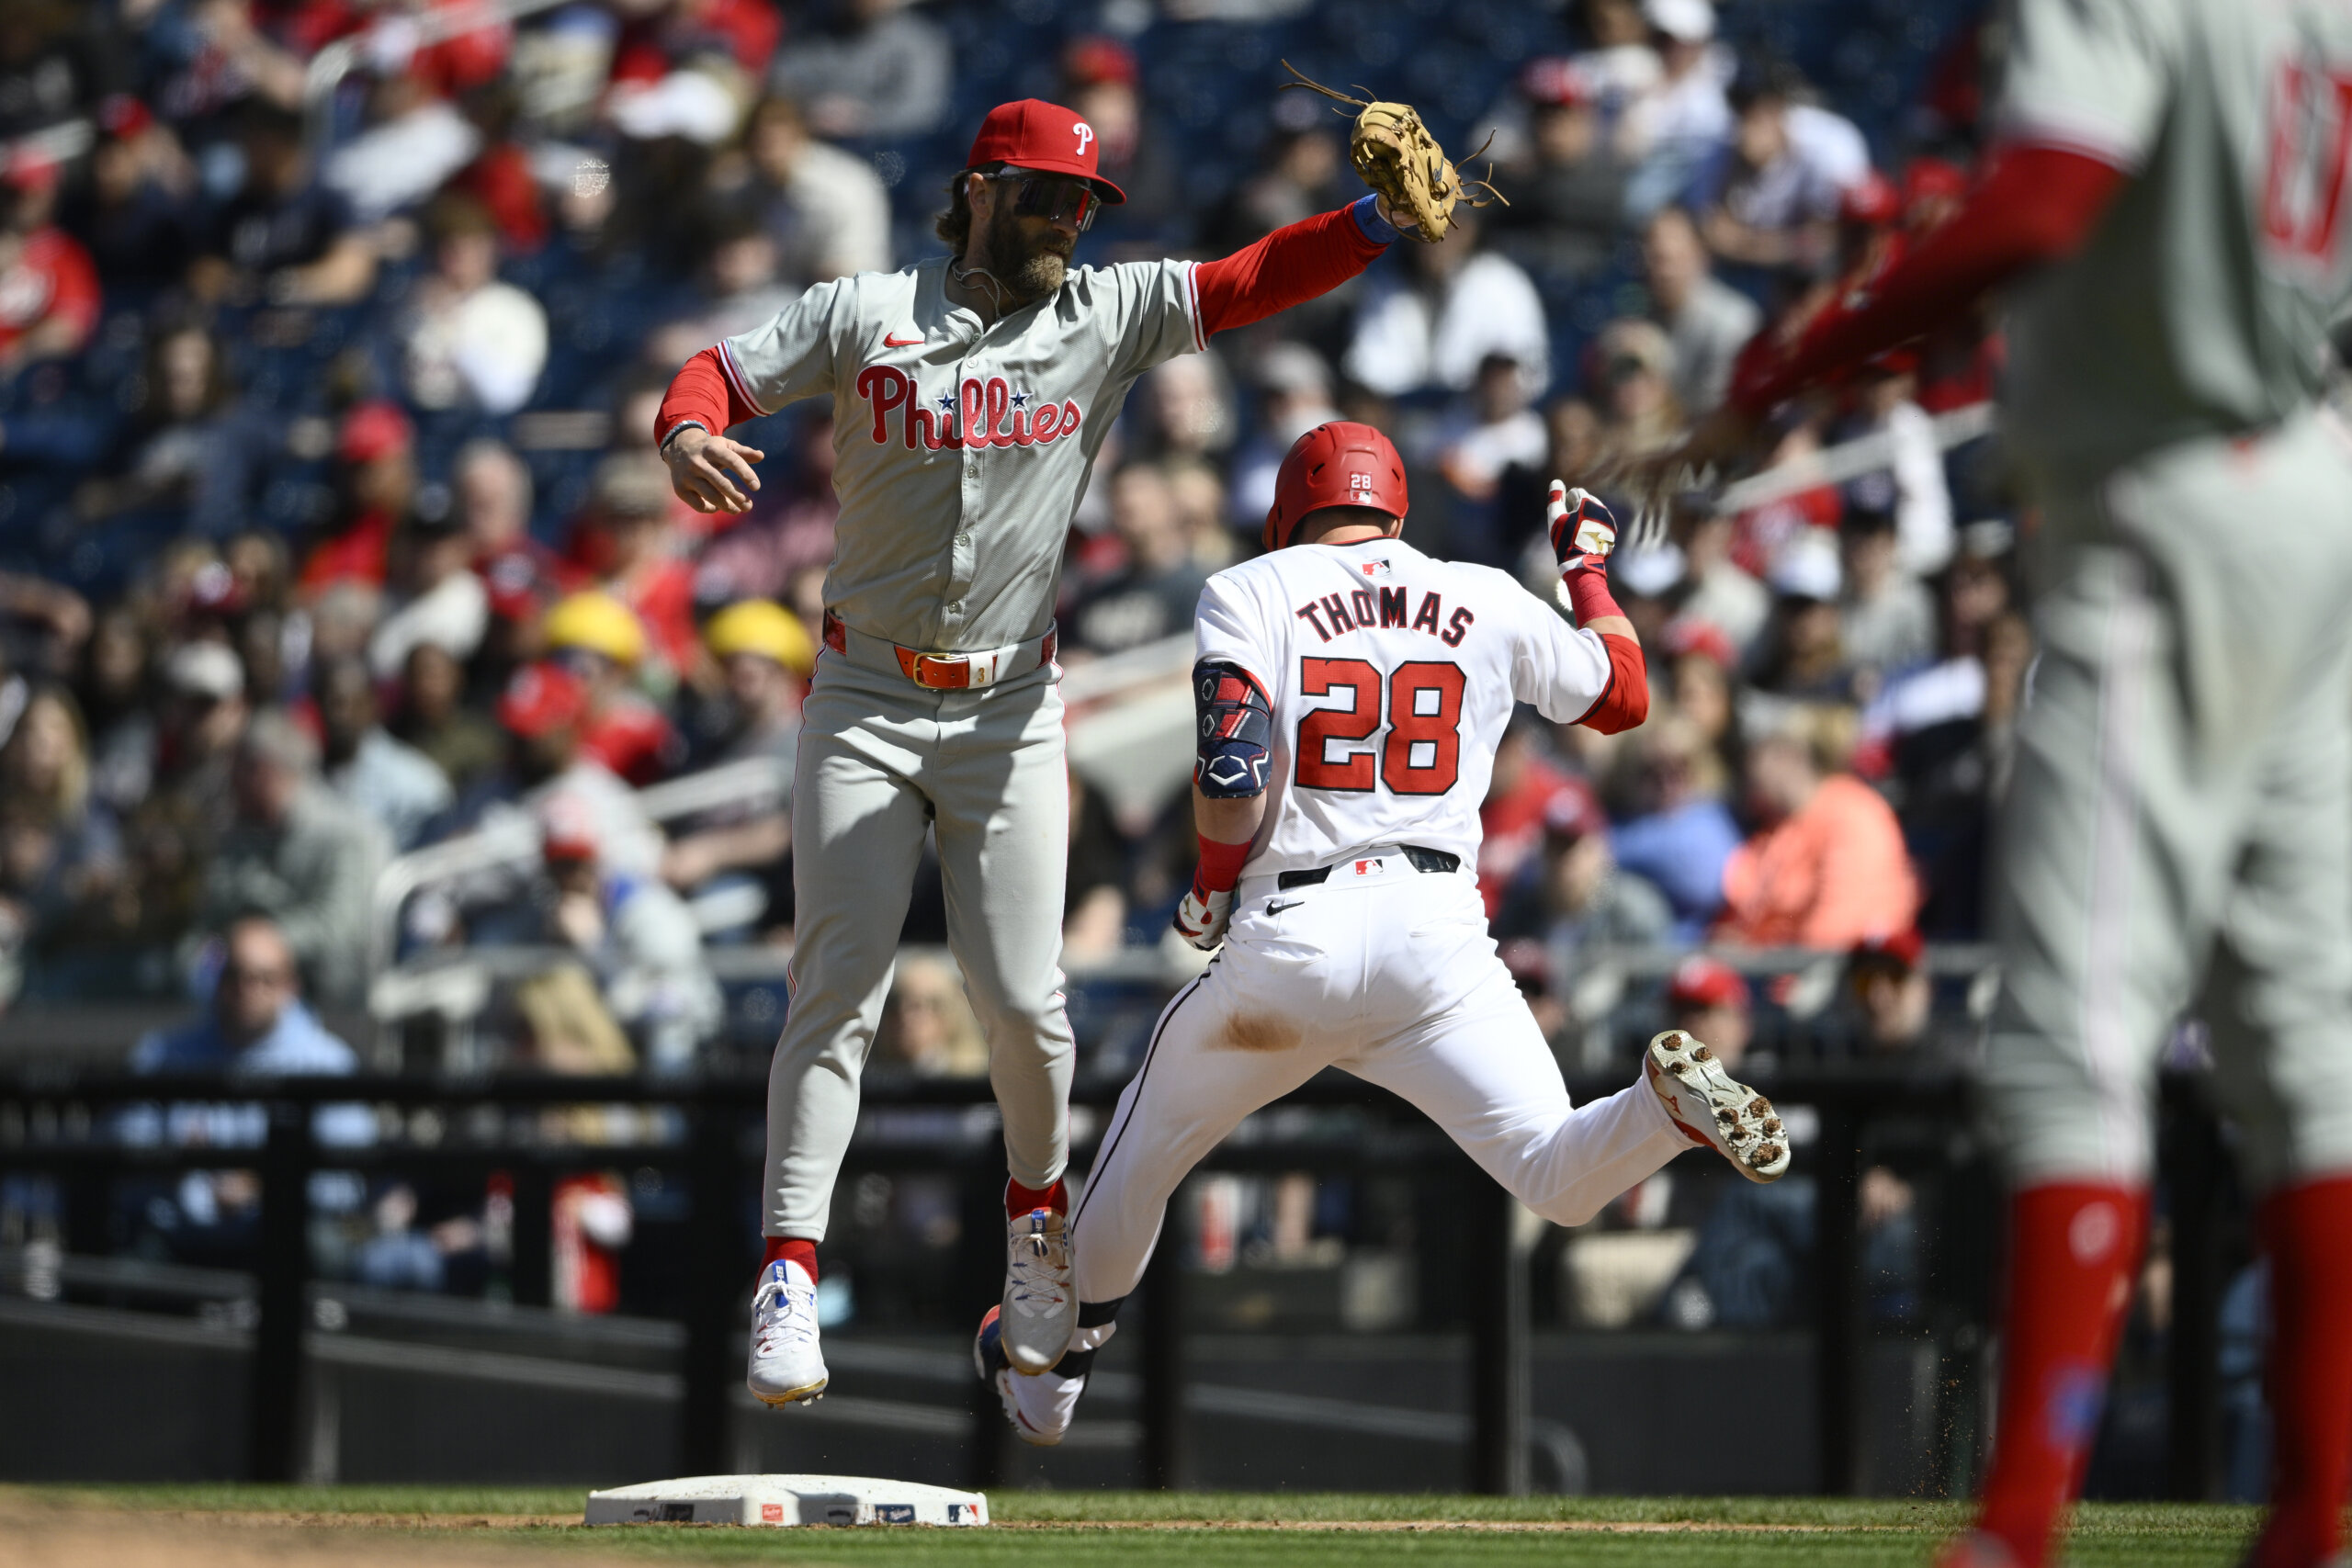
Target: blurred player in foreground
971,394
2171,174
1351,692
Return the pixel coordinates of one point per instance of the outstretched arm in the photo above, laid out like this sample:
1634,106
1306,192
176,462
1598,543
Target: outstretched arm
1291,265
2035,205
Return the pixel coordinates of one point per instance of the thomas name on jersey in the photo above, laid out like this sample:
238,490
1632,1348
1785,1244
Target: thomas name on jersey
1370,609
974,416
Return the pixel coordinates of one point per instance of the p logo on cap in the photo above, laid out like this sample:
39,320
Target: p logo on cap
1043,138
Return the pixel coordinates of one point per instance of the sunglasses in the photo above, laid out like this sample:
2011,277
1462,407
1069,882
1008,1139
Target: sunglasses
1053,198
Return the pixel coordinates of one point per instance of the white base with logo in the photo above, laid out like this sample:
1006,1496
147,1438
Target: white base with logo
786,1500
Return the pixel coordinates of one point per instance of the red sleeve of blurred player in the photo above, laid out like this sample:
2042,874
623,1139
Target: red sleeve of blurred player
1289,267
703,392
2035,205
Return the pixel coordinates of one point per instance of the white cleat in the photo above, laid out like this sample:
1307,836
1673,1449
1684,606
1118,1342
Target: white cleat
787,1366
1054,1397
1040,1303
1715,1109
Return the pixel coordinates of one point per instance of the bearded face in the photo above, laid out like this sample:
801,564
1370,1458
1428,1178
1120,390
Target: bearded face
1028,256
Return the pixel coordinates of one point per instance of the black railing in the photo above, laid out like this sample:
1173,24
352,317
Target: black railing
59,1125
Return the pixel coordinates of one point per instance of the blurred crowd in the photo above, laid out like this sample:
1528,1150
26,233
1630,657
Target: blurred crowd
331,334
324,469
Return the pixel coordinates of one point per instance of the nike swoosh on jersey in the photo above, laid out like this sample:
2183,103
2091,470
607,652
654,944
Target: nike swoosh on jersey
900,342
1277,908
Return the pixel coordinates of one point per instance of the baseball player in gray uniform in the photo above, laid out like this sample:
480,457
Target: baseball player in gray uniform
970,396
2169,191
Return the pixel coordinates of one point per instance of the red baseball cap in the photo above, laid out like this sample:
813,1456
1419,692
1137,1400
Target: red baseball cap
1699,981
1557,80
1094,59
542,697
1031,133
567,828
373,429
124,117
1870,201
1574,811
1901,949
1688,634
1927,179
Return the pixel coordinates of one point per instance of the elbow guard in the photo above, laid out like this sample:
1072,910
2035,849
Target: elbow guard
1235,729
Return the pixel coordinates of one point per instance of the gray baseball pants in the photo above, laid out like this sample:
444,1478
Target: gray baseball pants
880,759
2178,834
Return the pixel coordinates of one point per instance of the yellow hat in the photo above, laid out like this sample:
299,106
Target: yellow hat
599,623
755,625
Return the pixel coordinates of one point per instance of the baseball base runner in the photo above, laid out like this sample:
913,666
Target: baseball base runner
2173,174
1350,692
970,396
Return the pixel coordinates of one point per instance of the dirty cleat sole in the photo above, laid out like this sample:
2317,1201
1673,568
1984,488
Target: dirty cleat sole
1715,1109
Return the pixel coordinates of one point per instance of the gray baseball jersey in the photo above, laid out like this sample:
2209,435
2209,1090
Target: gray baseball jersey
2177,833
2200,305
960,455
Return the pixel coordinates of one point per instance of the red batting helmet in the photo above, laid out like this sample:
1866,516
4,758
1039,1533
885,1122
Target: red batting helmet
1338,464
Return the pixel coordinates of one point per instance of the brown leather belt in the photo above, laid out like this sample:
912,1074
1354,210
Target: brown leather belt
952,671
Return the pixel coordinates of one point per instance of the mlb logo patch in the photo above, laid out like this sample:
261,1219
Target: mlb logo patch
1376,569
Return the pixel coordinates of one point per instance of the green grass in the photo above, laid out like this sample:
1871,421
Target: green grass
1144,1529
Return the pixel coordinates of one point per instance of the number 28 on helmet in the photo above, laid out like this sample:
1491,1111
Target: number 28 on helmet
1338,464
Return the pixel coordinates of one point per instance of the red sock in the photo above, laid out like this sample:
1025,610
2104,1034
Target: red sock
2074,1247
2307,1230
792,1250
1020,1200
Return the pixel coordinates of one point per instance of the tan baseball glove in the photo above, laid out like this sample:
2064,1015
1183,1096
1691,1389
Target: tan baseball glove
1398,157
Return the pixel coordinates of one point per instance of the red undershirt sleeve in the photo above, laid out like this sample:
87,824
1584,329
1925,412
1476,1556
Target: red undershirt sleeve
1293,264
1626,703
2036,204
701,393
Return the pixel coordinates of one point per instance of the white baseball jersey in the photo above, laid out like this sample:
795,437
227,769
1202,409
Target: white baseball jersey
960,452
1391,676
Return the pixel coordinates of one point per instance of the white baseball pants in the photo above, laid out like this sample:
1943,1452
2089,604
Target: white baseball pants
880,759
1389,973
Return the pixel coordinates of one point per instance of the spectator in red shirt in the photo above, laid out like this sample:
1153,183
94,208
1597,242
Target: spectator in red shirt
49,291
625,544
601,640
376,459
